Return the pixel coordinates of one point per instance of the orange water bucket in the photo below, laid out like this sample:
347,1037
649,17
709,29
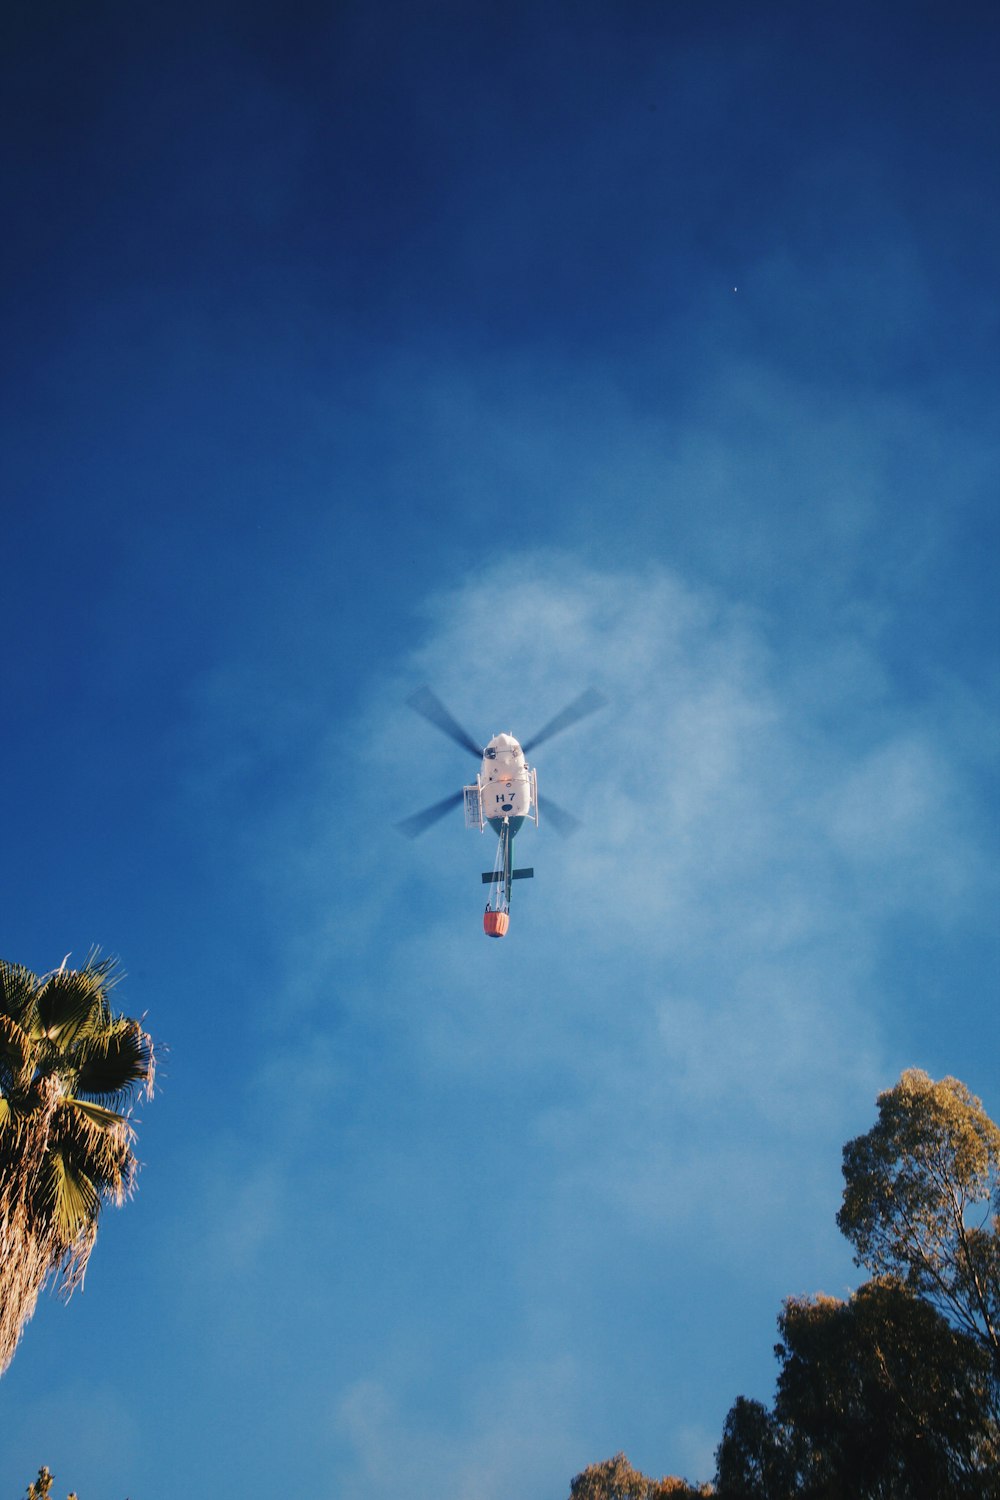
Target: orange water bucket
495,923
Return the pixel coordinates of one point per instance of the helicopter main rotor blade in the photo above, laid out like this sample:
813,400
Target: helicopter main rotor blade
420,821
587,703
562,821
430,706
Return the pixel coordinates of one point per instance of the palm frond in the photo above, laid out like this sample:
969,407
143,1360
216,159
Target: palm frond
17,991
73,1200
69,1005
97,1145
16,1057
111,1065
108,969
96,1114
74,1261
14,1116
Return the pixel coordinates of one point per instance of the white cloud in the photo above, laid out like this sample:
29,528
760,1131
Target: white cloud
513,1437
716,922
684,1025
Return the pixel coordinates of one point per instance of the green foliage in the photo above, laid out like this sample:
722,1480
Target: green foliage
882,1396
69,1071
877,1396
919,1190
615,1479
895,1392
755,1460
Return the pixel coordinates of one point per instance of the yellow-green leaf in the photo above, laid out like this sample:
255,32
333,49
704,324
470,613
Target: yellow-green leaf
96,1113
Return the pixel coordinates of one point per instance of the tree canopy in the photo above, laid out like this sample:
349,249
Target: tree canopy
921,1199
894,1392
883,1397
615,1479
755,1460
877,1396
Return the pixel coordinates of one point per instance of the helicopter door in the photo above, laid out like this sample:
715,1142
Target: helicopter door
474,805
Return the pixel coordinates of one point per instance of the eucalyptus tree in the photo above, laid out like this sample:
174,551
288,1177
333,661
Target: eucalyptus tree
884,1397
70,1072
896,1391
756,1459
877,1396
615,1479
922,1201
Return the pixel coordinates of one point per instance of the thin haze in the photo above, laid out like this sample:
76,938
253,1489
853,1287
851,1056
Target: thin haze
650,350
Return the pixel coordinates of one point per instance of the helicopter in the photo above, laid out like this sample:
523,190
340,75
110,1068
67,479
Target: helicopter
503,796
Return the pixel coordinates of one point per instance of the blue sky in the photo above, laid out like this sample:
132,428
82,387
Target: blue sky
517,350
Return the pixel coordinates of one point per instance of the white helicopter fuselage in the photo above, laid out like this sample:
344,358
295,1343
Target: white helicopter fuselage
506,788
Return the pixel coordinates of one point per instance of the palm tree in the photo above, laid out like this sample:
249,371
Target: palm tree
70,1070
